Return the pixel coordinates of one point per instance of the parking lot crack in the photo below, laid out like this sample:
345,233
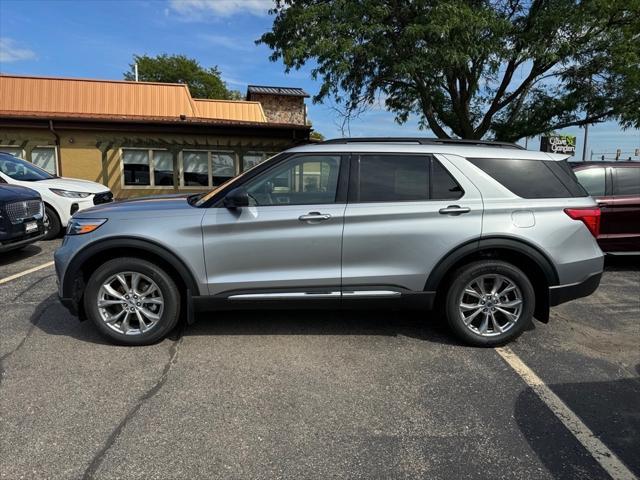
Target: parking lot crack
38,315
98,458
32,285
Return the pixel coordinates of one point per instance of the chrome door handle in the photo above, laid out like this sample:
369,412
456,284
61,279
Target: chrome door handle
314,216
454,210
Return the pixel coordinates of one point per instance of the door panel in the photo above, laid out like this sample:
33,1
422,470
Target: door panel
289,237
621,230
269,247
399,243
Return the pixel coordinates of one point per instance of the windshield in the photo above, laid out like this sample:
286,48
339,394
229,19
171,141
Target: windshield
202,199
21,170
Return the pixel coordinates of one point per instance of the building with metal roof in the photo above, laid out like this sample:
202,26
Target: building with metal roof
123,133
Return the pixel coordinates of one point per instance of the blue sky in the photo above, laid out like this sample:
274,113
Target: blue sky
97,39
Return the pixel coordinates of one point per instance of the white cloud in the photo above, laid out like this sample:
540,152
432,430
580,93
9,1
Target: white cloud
10,51
204,9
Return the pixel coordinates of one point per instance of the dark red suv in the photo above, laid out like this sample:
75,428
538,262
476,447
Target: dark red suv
616,188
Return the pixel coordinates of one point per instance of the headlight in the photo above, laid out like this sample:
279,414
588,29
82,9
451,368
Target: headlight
69,193
80,226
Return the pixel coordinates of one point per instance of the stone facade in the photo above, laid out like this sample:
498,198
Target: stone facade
282,108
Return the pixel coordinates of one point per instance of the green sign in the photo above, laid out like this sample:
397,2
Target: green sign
558,144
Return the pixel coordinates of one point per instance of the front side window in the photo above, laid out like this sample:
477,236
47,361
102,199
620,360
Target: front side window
593,181
305,180
22,170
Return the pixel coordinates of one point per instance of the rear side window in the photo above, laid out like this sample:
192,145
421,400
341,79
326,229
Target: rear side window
626,181
593,181
403,178
532,178
443,185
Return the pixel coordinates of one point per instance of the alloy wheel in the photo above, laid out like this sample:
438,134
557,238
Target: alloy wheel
490,305
130,303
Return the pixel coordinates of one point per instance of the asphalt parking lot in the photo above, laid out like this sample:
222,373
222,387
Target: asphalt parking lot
313,395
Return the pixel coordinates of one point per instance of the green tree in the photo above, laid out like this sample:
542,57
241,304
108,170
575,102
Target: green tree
505,69
202,82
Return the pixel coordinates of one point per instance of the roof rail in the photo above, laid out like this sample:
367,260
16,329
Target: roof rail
423,141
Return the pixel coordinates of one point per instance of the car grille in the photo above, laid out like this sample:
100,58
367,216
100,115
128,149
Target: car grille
102,197
18,211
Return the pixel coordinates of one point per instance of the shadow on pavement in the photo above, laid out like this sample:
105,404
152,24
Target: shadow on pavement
620,263
426,326
13,256
52,318
609,409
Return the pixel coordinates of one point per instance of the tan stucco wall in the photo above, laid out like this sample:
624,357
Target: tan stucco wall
91,154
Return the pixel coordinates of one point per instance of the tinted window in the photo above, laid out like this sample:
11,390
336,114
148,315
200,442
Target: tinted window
627,181
21,170
443,185
531,178
306,180
393,178
593,180
136,167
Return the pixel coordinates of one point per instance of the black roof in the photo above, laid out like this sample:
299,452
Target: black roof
267,90
424,141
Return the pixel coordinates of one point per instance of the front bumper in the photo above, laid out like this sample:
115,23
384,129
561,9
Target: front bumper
563,293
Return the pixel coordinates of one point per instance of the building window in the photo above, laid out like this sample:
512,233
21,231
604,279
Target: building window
251,159
15,151
147,168
203,168
195,168
45,158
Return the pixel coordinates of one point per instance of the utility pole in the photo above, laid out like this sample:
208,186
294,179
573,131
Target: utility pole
584,145
135,70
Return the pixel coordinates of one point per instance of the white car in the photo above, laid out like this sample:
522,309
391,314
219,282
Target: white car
62,196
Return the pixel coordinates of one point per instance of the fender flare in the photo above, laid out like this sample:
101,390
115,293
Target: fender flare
81,257
515,245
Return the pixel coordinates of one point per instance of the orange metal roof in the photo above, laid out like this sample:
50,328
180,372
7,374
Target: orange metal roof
237,110
100,99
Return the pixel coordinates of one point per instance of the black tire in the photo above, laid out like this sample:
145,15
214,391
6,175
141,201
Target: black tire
55,226
466,274
171,297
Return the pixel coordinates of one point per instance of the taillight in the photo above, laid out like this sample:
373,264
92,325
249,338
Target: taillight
589,216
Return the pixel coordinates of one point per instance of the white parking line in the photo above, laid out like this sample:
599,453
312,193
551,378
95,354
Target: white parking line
598,450
26,272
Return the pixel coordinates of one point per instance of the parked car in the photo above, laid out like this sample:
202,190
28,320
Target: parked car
489,233
21,217
62,196
616,188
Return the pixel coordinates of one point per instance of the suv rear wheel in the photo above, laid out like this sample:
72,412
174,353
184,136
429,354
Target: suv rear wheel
489,303
132,301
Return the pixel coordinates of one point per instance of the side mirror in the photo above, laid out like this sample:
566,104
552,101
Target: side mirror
237,198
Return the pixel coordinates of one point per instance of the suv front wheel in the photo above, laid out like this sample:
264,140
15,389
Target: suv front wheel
489,303
132,301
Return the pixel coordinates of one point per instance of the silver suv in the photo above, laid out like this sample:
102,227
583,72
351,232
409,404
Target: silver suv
487,233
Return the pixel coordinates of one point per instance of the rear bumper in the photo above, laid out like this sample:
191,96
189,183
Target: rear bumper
563,293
